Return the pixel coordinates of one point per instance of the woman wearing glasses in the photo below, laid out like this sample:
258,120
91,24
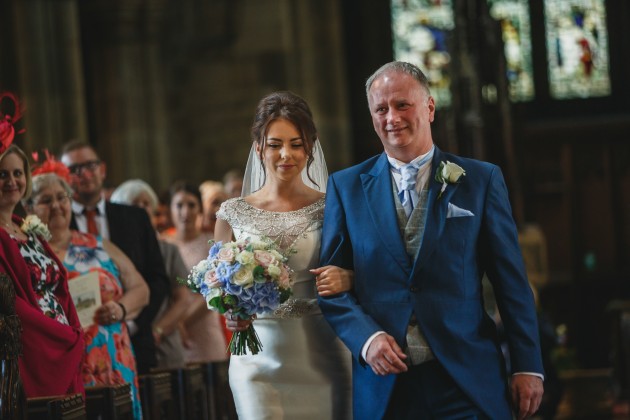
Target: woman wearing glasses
109,357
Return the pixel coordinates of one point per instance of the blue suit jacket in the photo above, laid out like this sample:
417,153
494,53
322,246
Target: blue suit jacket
442,286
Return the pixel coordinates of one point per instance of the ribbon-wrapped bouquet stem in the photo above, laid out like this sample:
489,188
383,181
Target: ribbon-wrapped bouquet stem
245,277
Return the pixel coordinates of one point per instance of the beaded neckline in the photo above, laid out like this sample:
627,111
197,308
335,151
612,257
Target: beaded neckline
284,228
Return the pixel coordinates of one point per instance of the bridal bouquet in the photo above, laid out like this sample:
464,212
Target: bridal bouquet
246,277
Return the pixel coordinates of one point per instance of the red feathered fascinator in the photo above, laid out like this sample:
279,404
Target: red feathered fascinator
50,165
7,131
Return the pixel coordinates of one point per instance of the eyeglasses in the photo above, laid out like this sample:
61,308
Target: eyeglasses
90,165
48,200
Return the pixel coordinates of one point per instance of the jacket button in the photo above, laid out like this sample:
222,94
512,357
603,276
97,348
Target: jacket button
414,289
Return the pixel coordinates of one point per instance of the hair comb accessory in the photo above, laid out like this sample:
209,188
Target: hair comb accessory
7,121
50,165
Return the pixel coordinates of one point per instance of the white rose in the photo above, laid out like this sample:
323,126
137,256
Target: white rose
212,293
243,277
274,271
245,257
452,172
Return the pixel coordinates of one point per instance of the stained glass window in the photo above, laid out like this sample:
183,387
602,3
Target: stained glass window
420,31
577,48
515,28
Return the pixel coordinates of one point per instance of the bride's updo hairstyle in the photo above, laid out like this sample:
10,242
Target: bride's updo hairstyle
289,106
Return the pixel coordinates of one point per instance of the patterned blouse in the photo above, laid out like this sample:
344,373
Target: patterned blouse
45,276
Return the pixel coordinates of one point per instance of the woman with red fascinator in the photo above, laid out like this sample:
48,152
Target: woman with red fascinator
52,338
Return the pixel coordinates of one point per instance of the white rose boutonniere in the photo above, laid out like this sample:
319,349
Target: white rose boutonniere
448,173
33,225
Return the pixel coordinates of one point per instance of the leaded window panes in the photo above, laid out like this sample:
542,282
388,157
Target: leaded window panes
420,31
577,48
516,32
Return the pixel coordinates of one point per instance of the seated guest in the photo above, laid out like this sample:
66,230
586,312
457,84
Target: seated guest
170,352
233,183
202,333
109,357
52,338
212,195
161,217
126,226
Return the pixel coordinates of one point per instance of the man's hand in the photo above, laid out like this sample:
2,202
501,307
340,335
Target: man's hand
527,392
385,356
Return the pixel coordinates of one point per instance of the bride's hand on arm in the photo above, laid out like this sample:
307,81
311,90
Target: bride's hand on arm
331,280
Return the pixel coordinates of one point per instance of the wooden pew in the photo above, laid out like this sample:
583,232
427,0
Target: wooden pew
56,407
156,396
220,399
109,402
189,392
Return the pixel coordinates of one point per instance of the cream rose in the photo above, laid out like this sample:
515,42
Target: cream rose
274,271
245,257
243,277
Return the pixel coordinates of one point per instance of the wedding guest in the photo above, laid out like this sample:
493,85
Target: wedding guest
161,217
109,357
201,330
303,370
420,227
233,183
52,338
212,195
170,352
126,226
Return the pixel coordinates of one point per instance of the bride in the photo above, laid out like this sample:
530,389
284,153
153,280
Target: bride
303,370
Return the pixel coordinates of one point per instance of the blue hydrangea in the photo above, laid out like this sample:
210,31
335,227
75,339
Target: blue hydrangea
214,250
226,270
261,298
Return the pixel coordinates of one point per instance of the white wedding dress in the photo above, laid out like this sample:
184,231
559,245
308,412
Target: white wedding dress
303,370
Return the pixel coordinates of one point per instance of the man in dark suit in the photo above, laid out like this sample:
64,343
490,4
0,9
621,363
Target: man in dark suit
127,227
420,227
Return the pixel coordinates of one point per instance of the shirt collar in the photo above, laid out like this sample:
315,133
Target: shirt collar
77,208
397,164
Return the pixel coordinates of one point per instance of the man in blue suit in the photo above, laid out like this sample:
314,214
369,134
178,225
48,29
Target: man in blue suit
420,228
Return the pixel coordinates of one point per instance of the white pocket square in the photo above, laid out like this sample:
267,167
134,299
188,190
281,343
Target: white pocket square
454,211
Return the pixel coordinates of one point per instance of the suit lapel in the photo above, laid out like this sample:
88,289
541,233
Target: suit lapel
110,214
377,186
436,214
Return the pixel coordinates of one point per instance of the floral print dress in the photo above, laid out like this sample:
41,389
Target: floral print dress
109,356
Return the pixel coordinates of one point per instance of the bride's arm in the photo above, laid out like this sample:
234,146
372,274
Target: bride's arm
331,280
222,231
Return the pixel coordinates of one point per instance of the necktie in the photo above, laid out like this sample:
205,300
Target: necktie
409,174
90,217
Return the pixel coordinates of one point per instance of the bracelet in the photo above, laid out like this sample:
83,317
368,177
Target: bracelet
124,315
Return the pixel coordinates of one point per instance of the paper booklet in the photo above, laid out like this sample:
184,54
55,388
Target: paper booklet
86,295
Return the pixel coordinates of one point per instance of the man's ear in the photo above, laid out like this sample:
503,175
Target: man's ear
103,170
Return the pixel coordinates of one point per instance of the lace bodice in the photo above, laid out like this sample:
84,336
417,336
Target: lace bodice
297,234
284,228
